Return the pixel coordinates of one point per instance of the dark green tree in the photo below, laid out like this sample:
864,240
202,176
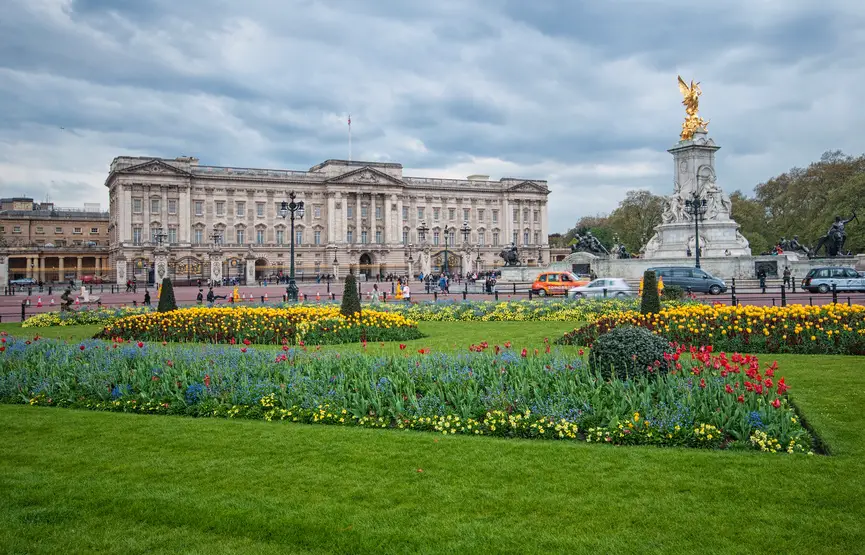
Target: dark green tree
350,298
166,297
651,301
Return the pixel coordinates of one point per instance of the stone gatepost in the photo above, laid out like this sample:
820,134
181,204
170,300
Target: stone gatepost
120,268
250,268
160,265
215,266
4,270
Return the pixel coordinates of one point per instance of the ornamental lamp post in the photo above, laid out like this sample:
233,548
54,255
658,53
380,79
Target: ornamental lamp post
466,230
422,231
696,207
447,231
291,209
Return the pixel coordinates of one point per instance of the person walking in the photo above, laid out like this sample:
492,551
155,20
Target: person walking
146,298
375,295
210,297
786,277
200,297
406,293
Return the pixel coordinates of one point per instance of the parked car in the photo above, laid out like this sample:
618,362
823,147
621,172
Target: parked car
821,280
23,281
614,287
556,283
92,280
695,279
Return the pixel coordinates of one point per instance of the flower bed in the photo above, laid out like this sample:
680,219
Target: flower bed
318,325
560,310
81,317
828,329
707,400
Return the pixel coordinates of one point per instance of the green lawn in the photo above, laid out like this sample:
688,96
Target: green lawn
80,482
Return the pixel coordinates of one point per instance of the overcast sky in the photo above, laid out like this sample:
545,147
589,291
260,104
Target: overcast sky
582,94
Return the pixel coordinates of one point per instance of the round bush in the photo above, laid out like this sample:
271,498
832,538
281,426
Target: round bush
629,352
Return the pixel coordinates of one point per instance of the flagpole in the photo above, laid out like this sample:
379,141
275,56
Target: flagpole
349,137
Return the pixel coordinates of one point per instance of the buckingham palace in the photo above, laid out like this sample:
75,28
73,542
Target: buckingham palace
213,222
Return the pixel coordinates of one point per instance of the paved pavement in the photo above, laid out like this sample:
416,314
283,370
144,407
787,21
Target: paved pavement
10,305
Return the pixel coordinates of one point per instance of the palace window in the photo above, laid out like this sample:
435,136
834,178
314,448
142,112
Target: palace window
259,236
154,206
495,216
136,235
240,237
526,238
378,215
436,213
154,231
280,237
420,213
516,215
495,238
198,205
435,237
525,214
136,205
452,213
75,230
378,236
172,206
259,209
198,236
349,236
93,230
240,209
537,215
316,211
39,229
516,237
316,237
349,212
451,237
364,211
17,229
405,237
537,237
481,214
364,237
404,213
481,237
58,230
172,235
298,237
220,208
466,214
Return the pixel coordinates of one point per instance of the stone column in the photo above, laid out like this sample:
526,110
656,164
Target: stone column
42,268
398,225
331,219
505,222
78,268
61,271
358,220
388,234
373,220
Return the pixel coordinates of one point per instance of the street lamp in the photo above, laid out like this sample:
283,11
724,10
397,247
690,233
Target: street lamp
421,232
160,237
540,256
447,231
466,230
290,209
696,207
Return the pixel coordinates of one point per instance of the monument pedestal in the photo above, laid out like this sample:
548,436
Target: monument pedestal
717,239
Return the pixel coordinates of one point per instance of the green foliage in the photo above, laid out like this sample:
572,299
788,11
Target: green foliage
651,302
636,217
166,297
629,352
350,299
673,293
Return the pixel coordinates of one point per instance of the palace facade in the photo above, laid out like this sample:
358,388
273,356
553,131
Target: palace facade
366,217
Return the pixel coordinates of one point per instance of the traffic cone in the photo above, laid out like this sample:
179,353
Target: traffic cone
39,302
242,297
28,301
52,302
265,297
317,297
77,301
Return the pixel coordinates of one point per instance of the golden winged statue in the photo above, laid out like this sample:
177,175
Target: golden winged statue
691,101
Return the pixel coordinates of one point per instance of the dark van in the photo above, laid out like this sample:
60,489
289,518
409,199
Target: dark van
695,279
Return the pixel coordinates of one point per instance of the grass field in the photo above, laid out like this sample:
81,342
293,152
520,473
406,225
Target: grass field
79,482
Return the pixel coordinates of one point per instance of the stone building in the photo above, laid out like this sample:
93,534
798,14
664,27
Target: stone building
359,216
52,244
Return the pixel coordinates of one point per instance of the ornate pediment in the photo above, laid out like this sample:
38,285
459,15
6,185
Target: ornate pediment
155,167
365,176
529,187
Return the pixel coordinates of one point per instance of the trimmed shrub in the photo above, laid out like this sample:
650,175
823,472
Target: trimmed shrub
350,299
629,352
651,302
166,297
672,293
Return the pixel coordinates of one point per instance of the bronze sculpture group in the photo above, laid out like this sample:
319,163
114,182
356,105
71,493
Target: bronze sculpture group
510,255
832,244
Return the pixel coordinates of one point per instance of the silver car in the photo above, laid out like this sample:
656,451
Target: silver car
611,287
821,280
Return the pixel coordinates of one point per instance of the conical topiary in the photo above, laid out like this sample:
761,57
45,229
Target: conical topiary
166,297
651,302
350,298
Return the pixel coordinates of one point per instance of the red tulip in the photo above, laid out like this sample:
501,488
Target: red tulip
140,345
580,352
741,398
703,383
507,344
776,403
81,347
207,380
728,389
524,353
402,346
782,387
243,349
